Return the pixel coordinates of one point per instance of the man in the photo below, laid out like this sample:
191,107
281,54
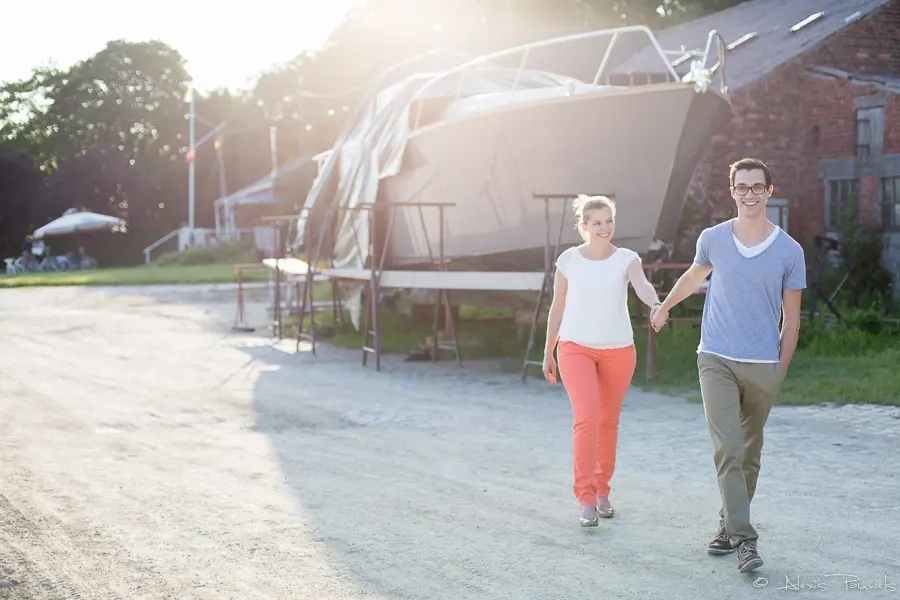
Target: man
758,274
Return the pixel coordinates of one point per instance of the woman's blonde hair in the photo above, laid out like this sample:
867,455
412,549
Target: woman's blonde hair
584,204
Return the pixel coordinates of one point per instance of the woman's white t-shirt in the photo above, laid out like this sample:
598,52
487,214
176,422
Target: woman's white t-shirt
596,311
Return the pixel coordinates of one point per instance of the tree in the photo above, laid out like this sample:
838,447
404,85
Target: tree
128,95
20,191
118,134
22,107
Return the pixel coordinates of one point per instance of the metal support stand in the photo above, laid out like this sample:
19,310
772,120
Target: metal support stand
306,298
443,297
371,331
549,273
277,321
306,302
304,292
825,245
240,319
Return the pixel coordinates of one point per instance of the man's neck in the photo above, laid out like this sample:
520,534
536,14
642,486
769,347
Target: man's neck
752,231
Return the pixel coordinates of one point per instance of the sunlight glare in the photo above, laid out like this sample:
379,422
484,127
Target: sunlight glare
224,45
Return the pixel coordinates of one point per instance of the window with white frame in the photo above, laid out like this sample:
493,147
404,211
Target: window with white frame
890,203
869,127
841,203
777,212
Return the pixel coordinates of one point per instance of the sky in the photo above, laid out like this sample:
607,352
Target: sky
241,38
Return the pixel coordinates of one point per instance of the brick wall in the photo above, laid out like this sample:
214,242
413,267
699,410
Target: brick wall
868,46
792,119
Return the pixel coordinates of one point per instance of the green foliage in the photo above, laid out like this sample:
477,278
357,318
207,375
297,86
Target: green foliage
20,188
225,253
860,332
850,361
144,275
861,248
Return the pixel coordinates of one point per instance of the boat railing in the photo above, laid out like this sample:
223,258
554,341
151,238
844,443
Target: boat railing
699,69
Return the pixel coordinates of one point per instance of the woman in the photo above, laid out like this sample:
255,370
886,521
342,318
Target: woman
589,318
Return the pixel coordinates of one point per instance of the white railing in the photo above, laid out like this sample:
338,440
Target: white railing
157,244
261,237
526,49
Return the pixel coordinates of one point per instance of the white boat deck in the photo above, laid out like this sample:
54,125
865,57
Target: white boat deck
292,268
485,281
488,281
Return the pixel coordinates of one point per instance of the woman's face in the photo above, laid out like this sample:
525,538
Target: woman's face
599,225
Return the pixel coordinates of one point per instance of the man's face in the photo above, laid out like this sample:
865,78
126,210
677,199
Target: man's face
750,193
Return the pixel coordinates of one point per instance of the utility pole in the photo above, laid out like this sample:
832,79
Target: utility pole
273,148
192,135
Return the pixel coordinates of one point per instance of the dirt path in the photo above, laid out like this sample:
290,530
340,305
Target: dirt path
146,452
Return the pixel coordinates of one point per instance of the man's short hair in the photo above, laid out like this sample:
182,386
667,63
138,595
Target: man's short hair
749,164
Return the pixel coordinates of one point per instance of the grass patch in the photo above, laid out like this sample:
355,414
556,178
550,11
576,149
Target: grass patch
847,362
227,253
143,275
194,265
839,363
494,336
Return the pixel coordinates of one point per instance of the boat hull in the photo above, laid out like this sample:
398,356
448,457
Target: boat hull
638,145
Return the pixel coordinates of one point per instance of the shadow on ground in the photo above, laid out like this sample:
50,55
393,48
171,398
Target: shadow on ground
424,481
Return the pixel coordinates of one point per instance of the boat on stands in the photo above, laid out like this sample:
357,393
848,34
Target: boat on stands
486,136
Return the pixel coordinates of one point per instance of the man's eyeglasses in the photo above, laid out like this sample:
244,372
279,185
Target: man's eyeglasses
759,188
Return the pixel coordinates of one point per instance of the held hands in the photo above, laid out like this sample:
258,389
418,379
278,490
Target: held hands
658,317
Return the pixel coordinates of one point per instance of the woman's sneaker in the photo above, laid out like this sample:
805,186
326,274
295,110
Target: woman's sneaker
748,558
589,515
605,512
720,543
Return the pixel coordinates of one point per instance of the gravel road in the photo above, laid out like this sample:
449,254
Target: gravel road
148,452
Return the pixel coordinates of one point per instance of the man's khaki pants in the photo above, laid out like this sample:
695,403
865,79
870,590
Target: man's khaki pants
737,398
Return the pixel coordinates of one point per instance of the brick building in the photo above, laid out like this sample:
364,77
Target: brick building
815,89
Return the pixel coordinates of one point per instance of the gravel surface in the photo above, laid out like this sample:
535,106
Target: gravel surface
148,452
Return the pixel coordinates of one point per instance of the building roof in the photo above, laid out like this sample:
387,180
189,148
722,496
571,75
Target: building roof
761,35
263,190
890,83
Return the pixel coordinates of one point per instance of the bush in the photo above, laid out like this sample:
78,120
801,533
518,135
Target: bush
860,332
225,253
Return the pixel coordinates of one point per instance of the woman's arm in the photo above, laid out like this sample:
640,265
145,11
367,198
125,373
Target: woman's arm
642,286
557,306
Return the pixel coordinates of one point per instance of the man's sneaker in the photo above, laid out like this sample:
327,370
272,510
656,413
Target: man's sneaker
748,558
720,543
589,515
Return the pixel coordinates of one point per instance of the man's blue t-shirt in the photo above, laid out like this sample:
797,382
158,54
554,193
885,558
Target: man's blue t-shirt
742,311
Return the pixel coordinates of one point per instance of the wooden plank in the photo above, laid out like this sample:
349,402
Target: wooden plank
292,267
507,281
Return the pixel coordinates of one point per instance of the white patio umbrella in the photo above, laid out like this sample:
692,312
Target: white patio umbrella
76,222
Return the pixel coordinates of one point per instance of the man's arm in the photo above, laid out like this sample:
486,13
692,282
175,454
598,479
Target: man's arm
793,284
790,326
686,285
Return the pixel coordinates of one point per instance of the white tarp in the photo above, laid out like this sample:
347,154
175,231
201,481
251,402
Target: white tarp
74,222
